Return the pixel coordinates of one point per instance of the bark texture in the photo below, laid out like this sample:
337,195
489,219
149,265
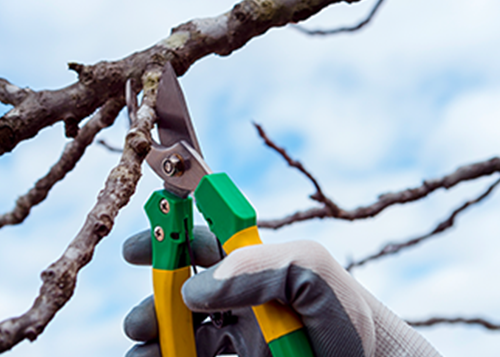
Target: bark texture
186,44
59,279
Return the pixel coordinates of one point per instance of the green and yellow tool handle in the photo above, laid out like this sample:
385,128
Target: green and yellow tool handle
171,221
234,222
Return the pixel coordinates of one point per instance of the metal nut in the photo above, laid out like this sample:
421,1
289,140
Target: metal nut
158,232
173,165
164,206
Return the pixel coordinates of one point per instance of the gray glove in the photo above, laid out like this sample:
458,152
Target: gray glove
342,319
243,337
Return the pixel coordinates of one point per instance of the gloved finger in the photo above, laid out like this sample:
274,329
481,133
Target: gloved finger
242,337
150,349
137,249
206,248
333,306
141,324
206,251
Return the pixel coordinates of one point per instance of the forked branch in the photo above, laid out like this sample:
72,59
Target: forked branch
393,248
464,173
72,153
59,279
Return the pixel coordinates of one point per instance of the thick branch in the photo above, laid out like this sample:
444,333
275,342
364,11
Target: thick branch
59,279
393,248
72,153
187,43
342,29
464,173
456,320
12,94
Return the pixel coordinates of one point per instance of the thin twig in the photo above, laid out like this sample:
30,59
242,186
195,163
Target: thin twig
464,173
341,29
319,195
59,279
393,248
457,320
108,146
72,153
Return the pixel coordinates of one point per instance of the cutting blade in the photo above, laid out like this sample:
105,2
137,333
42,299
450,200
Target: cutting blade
174,122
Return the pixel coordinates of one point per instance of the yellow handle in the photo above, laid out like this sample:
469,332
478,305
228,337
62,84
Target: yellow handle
275,319
175,320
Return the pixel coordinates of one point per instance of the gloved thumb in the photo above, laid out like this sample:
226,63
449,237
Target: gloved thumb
300,274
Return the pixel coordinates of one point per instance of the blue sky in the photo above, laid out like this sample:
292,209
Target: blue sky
413,96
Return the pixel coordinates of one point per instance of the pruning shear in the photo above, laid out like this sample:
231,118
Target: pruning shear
180,164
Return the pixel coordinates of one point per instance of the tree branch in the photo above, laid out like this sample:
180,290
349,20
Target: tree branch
319,195
109,147
456,320
464,173
72,153
186,44
12,94
341,29
393,248
59,279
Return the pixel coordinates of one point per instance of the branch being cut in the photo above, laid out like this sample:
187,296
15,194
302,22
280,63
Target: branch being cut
186,44
457,320
59,279
464,173
72,153
393,248
342,29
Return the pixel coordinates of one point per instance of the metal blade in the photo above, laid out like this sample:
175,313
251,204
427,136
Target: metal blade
174,123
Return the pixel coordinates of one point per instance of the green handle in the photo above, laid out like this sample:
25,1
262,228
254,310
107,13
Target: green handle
171,221
233,220
171,218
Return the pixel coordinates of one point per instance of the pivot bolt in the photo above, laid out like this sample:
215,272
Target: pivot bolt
158,232
173,165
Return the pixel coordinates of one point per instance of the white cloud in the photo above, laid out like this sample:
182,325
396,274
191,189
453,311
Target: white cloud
370,112
468,130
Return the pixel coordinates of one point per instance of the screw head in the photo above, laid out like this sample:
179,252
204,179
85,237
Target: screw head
164,206
173,165
159,234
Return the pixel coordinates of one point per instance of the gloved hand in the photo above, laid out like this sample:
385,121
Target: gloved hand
243,337
341,318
